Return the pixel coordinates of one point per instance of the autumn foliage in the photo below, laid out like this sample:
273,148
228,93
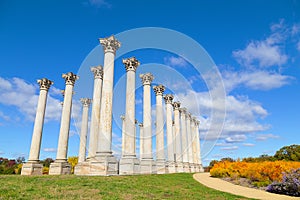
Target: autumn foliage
267,171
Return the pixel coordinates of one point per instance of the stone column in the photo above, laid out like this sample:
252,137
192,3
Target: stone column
105,163
160,148
95,115
129,164
177,136
32,167
189,139
123,131
170,139
148,165
184,141
193,145
141,139
84,128
199,161
61,165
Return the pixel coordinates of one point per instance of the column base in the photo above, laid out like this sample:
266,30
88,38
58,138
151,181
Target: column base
129,166
33,168
59,168
192,168
103,165
186,167
161,167
171,167
179,167
82,168
201,169
148,166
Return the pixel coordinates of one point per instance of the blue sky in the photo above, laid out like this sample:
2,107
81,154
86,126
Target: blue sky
255,46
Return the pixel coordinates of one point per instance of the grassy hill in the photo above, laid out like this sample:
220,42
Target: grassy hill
169,186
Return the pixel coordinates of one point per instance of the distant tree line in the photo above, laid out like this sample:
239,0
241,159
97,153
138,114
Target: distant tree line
288,153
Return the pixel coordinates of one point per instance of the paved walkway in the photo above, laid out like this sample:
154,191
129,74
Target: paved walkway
221,185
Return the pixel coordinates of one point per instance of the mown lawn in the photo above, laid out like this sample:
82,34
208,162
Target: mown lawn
168,186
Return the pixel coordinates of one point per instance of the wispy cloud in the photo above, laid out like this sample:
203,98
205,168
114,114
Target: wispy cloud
263,137
236,138
175,61
230,148
98,3
248,144
49,149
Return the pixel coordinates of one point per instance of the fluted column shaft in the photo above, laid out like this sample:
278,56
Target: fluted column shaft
110,45
199,161
141,140
129,137
189,138
177,136
160,152
170,140
63,140
147,119
84,129
184,141
39,120
95,115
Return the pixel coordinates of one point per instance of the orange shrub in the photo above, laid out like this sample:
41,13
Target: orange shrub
261,171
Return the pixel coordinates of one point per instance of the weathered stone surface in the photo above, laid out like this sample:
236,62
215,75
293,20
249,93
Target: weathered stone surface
32,169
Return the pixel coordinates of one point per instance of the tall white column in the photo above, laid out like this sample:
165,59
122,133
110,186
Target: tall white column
184,141
61,165
141,139
84,129
32,167
189,139
95,115
123,131
177,135
199,160
160,148
170,139
193,145
148,166
105,163
129,164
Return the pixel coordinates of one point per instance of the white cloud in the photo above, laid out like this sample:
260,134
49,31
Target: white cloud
235,138
263,137
98,3
258,80
248,144
175,61
24,96
4,117
2,152
49,149
230,148
264,53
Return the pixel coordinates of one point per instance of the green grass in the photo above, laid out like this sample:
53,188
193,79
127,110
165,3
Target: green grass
168,186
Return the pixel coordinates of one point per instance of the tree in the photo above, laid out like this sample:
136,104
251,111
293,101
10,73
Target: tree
291,153
73,161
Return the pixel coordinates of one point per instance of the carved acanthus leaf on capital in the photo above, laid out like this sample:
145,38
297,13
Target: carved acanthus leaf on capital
70,78
182,111
147,78
44,84
85,101
97,71
110,44
168,98
159,89
188,116
131,64
176,105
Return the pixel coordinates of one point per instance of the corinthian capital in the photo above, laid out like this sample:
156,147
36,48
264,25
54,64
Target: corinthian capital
168,98
110,44
86,102
176,105
131,64
146,78
44,84
159,89
70,78
97,71
182,111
